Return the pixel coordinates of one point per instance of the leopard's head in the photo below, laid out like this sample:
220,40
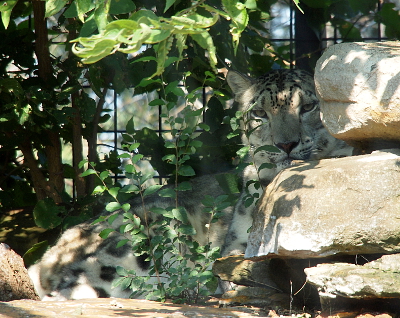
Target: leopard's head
282,110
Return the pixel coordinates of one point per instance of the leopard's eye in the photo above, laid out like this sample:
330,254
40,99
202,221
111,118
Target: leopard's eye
259,113
308,107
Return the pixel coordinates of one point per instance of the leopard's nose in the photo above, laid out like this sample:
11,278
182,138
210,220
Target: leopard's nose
287,147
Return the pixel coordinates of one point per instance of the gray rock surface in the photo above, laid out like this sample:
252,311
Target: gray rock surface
377,279
347,205
240,271
358,85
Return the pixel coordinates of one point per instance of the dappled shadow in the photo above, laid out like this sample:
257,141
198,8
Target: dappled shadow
357,75
360,62
272,208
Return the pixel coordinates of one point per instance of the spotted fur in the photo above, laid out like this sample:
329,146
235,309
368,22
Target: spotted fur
281,109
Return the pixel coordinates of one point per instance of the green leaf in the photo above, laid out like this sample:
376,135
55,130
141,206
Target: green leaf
46,213
100,49
130,126
205,40
35,253
114,191
157,210
297,3
122,6
121,271
104,175
167,193
146,176
168,4
130,188
196,143
186,171
203,126
267,148
239,17
54,6
184,186
243,152
99,189
113,206
105,233
82,7
126,207
122,243
112,218
186,229
151,189
6,9
180,214
228,182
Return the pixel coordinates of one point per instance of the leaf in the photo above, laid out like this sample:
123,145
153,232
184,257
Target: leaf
243,152
101,48
35,253
121,271
238,13
151,189
267,165
122,243
99,189
130,188
46,213
105,233
186,171
297,3
6,9
168,4
126,207
83,6
180,214
54,6
114,191
104,175
186,229
130,126
113,206
228,182
267,148
167,193
122,6
205,40
184,186
112,218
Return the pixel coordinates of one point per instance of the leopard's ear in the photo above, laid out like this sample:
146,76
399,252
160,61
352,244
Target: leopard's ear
238,82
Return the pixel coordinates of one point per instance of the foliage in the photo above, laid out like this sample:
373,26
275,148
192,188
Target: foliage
180,267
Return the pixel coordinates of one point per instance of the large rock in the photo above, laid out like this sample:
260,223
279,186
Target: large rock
358,85
348,205
240,271
14,280
377,279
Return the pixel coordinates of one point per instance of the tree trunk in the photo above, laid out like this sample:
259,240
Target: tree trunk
55,183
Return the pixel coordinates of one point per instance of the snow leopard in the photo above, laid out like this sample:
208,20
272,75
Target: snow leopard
280,110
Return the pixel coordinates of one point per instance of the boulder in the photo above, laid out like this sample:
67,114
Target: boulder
376,279
358,85
14,280
336,206
241,271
